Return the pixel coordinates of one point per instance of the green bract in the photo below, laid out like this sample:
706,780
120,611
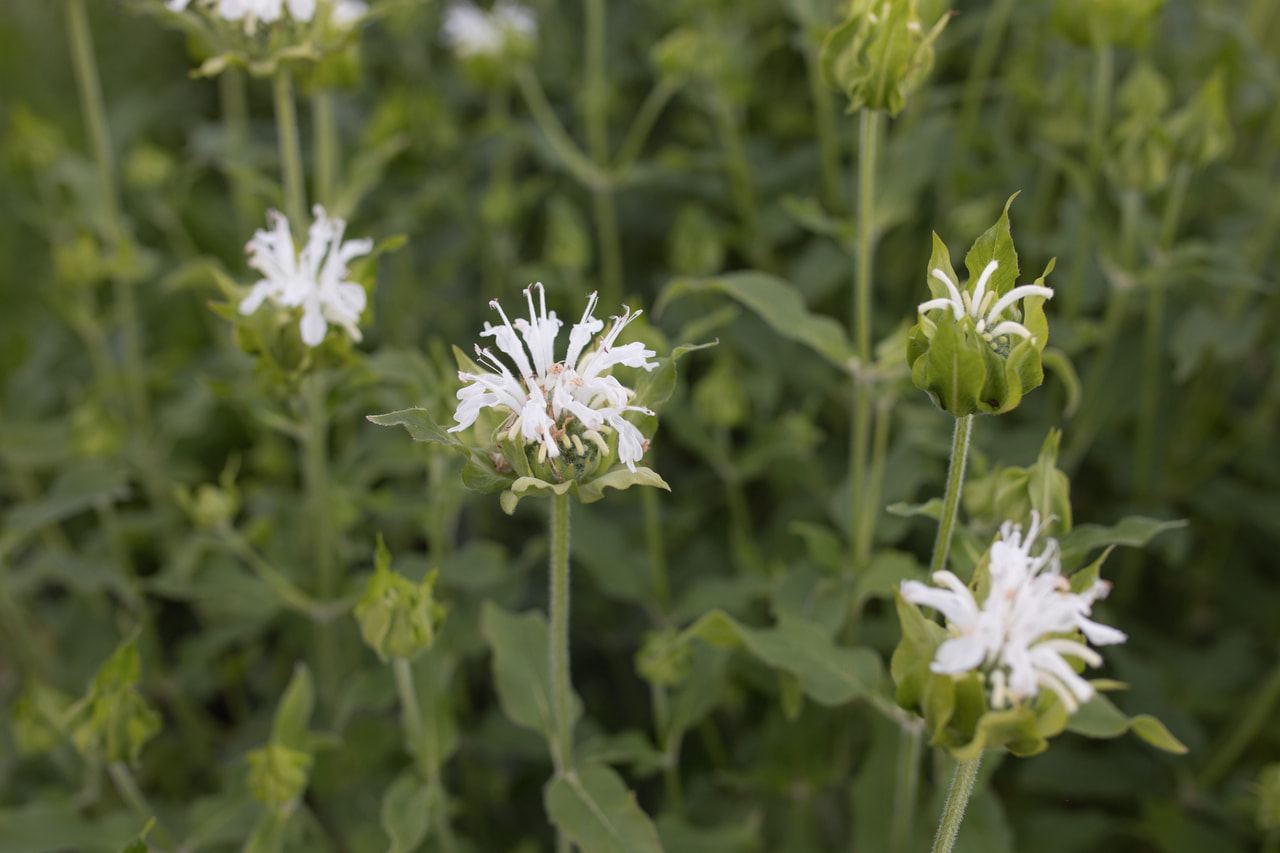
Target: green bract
880,54
279,771
398,618
964,366
1010,493
113,722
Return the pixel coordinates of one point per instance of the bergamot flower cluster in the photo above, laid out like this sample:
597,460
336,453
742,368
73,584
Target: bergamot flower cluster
314,279
977,348
568,415
471,31
1022,635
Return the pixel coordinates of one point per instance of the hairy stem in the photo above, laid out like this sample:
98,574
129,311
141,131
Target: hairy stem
561,691
295,194
957,800
860,321
951,500
316,484
907,781
328,147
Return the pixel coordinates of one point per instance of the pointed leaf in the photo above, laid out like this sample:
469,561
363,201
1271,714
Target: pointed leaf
595,809
522,667
1134,531
406,813
1100,718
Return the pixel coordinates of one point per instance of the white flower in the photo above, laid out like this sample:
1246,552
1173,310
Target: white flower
1015,635
348,13
314,278
253,11
977,305
542,397
471,31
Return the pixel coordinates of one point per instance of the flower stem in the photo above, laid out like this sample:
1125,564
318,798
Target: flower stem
951,500
324,118
425,752
904,793
316,483
860,320
93,109
577,163
295,198
596,108
1145,456
957,800
984,60
1259,713
1104,61
656,548
869,505
642,124
824,121
738,171
561,695
605,214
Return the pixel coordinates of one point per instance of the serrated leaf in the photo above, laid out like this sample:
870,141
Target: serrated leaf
522,667
420,425
778,303
595,809
293,713
406,813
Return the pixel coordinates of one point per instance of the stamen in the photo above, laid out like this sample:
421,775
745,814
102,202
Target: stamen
979,291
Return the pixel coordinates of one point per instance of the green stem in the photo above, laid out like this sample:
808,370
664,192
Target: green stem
1260,712
669,743
578,164
869,505
860,321
642,125
1104,61
984,61
129,791
657,550
561,692
738,170
234,101
951,500
824,122
324,118
605,214
596,88
904,794
1145,456
286,590
1090,417
93,109
425,751
315,475
957,800
295,196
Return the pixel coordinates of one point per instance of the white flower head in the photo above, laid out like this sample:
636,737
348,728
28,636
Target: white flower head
314,279
252,12
471,31
347,13
561,406
978,304
1019,636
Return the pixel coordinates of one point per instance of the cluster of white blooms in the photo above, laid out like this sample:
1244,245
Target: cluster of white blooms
544,396
470,31
345,12
313,278
1016,635
977,304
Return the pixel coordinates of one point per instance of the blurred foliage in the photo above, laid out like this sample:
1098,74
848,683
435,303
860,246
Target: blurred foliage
164,515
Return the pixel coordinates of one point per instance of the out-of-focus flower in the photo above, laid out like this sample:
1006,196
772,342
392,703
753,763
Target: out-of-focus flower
313,279
471,31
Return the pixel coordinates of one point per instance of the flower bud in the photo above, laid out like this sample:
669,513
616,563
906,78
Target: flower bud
1013,493
1202,129
974,350
1142,147
663,658
398,618
278,774
880,54
113,722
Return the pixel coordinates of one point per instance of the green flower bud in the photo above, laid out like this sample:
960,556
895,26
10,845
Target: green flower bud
973,350
1013,493
398,618
278,774
880,54
663,658
1142,147
1126,23
113,722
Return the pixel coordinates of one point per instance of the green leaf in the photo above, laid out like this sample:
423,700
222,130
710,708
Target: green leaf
139,843
522,667
778,303
829,674
420,425
594,808
1100,718
293,713
994,244
931,508
278,774
1060,365
655,387
406,812
732,836
1134,531
587,491
78,488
